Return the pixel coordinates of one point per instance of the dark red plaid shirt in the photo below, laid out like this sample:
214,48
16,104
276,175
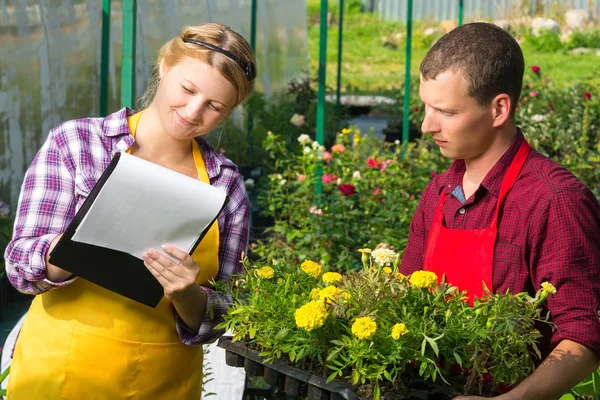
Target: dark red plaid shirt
548,230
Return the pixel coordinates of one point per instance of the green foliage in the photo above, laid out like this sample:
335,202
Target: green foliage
563,124
414,327
275,114
546,42
330,226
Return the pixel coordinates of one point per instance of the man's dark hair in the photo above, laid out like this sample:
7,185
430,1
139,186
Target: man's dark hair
489,58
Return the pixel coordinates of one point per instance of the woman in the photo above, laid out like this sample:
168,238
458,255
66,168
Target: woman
80,341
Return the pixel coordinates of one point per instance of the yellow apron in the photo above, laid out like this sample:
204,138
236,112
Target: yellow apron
83,342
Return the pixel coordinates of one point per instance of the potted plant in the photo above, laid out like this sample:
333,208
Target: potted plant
379,333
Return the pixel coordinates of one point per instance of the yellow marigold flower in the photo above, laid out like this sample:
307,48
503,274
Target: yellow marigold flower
346,131
424,279
548,288
311,316
330,293
384,257
356,137
364,327
399,330
265,272
401,277
387,270
364,251
314,293
332,277
311,268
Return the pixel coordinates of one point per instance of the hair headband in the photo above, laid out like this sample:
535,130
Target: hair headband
248,67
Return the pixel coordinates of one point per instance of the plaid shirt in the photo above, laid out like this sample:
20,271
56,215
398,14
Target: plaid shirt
549,230
64,172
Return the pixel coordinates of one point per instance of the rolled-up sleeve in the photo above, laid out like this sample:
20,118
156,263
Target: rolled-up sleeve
46,206
233,241
565,251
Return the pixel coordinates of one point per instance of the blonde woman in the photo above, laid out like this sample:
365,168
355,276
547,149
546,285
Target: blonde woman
80,341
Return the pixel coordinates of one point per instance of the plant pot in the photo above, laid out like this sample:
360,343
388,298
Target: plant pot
291,380
300,383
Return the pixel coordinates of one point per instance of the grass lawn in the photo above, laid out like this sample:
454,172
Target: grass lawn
369,67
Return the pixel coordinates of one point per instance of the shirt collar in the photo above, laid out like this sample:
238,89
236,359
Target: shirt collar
116,124
493,179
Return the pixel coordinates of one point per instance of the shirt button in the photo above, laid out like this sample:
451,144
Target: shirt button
462,211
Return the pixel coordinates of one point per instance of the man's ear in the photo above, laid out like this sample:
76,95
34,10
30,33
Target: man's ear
500,107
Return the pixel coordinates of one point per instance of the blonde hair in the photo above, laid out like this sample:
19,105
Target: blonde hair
176,50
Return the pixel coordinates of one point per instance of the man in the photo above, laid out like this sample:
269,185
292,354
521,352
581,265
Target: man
503,213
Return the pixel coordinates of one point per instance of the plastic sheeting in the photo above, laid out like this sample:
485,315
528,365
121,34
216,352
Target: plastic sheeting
50,56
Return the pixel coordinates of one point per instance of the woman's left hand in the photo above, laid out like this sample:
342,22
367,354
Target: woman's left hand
175,278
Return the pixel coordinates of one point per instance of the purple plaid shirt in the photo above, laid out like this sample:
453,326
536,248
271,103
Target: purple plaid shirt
64,172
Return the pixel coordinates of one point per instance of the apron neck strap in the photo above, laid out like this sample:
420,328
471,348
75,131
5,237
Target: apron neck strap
511,177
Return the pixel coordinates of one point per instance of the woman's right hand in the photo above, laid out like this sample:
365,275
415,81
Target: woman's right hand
54,273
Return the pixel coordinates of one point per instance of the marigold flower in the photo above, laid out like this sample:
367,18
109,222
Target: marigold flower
314,293
399,330
424,279
265,272
364,251
332,277
364,327
311,316
387,270
356,137
401,277
330,293
548,288
346,131
384,257
311,268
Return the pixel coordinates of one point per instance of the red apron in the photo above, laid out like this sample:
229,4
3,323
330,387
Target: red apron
466,256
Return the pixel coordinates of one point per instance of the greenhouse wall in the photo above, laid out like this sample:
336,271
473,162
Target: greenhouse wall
50,57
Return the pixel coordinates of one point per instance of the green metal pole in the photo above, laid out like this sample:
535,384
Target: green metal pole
339,65
128,63
406,105
253,14
253,26
105,57
321,93
461,11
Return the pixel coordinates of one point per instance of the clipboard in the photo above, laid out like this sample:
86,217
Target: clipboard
115,270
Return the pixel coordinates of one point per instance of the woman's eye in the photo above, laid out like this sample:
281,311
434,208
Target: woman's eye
187,89
215,107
